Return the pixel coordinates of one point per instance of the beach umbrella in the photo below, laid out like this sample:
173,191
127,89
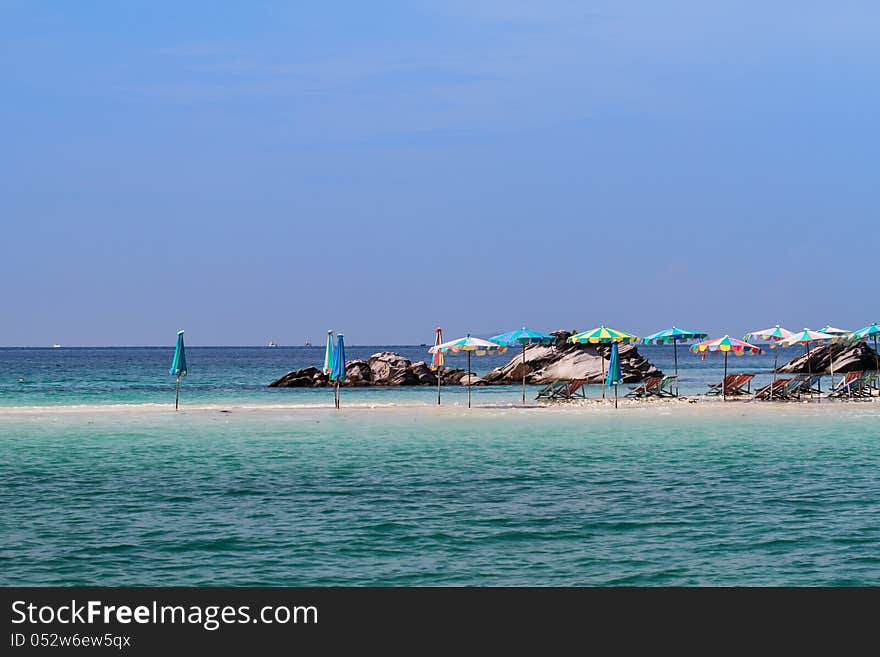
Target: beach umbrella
523,337
469,345
337,372
328,354
178,366
837,332
807,338
602,335
725,345
615,376
872,331
774,334
674,335
437,360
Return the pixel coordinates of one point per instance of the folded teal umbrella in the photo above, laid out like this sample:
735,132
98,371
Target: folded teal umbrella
337,373
328,354
523,337
615,376
178,366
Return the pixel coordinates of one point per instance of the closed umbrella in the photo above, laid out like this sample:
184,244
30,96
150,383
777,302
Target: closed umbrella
523,337
602,335
469,345
774,334
674,335
614,374
178,366
337,372
437,360
725,345
328,354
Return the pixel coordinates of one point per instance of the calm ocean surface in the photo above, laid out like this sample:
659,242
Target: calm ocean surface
409,495
239,375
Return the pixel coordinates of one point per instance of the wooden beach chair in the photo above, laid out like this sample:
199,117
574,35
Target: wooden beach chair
849,387
646,388
872,383
742,385
778,389
668,386
736,384
718,388
564,390
802,384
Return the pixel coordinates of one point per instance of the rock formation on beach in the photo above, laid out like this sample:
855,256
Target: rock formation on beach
848,357
563,361
544,363
382,369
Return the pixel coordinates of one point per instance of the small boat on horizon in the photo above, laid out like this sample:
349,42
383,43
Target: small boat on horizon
272,343
56,346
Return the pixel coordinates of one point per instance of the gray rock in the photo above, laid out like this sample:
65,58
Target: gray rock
382,369
563,361
848,357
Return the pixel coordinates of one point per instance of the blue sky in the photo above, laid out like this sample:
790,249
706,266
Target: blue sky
269,170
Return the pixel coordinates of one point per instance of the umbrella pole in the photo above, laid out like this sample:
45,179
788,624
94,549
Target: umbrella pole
524,373
675,352
616,386
775,362
469,379
337,393
831,351
809,370
177,392
603,372
876,363
724,380
438,386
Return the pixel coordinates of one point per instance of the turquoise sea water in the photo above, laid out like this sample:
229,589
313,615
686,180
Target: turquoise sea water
240,374
498,495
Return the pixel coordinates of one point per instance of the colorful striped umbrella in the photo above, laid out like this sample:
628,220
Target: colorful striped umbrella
178,366
602,335
524,337
674,335
830,330
437,360
328,354
469,345
871,331
726,345
807,337
774,334
615,376
337,371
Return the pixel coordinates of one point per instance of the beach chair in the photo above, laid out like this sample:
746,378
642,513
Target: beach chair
742,386
668,386
871,383
776,387
802,384
646,388
718,388
737,385
564,390
849,387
